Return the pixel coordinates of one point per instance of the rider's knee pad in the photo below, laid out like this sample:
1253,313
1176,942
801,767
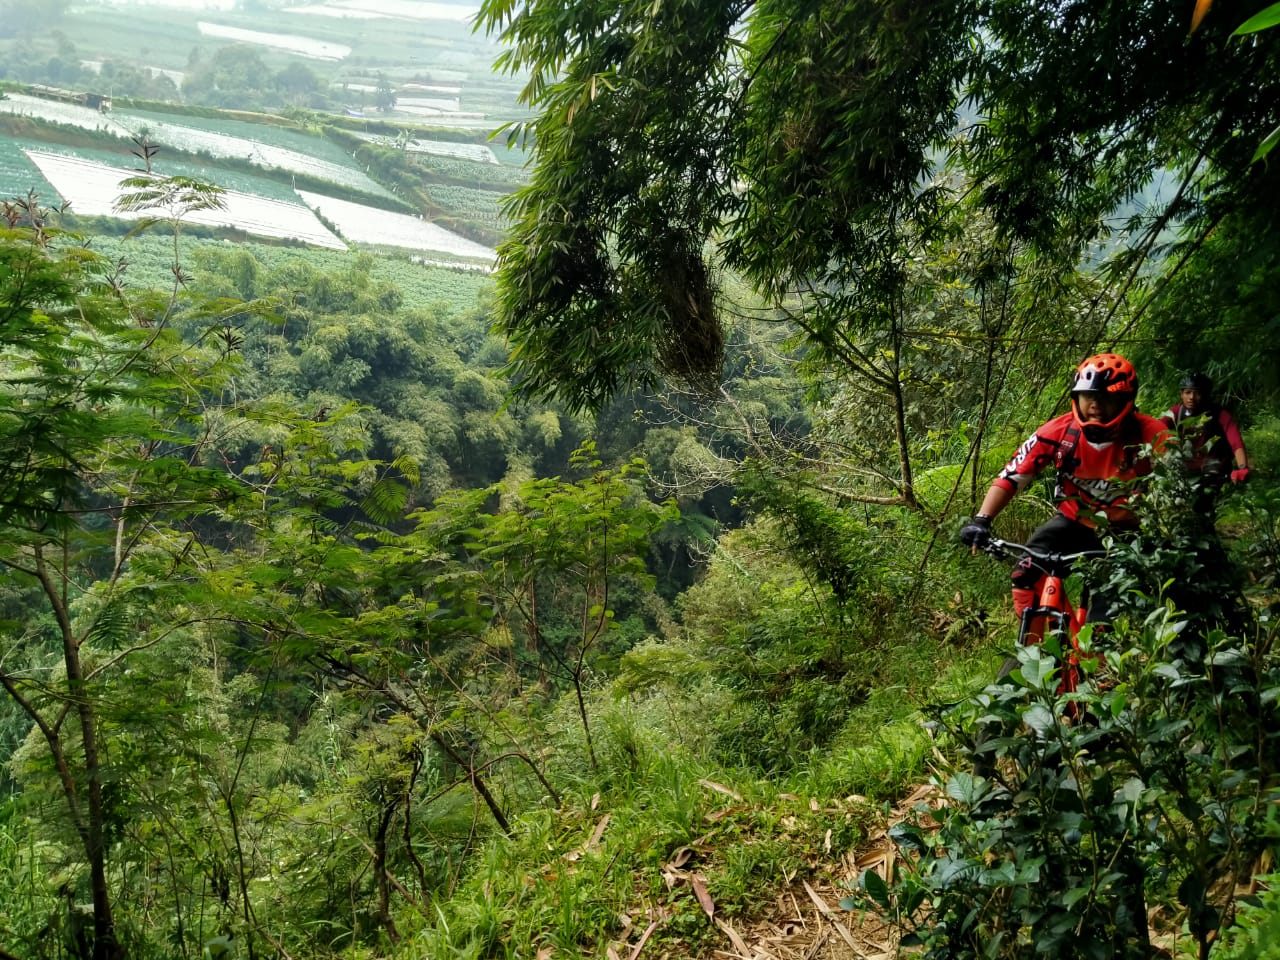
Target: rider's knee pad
1024,575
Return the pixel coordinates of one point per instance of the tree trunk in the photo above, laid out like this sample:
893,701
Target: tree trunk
92,833
477,783
380,867
900,417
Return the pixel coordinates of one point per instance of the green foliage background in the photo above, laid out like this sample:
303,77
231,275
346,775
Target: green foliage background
352,607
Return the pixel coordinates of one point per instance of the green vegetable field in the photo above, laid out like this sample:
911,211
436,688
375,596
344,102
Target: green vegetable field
312,145
18,174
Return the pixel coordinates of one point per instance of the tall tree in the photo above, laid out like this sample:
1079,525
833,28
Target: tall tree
96,463
817,147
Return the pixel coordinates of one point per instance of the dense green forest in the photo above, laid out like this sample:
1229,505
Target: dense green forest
614,606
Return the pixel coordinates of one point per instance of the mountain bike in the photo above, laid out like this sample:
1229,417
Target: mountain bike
1056,622
1053,615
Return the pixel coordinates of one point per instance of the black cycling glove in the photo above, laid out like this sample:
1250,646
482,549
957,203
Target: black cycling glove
977,532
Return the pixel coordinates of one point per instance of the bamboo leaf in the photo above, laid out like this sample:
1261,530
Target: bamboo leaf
1267,145
1263,20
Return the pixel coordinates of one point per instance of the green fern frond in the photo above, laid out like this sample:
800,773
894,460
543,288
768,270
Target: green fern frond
112,627
408,467
176,196
385,500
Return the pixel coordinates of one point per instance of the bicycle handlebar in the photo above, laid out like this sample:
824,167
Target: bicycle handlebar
1004,549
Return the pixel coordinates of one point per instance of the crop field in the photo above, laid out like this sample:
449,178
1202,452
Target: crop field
190,139
223,177
411,9
150,257
510,156
202,5
499,178
427,49
441,111
300,141
380,228
119,32
18,174
381,41
468,203
334,12
375,41
478,152
288,42
70,114
92,189
431,43
165,37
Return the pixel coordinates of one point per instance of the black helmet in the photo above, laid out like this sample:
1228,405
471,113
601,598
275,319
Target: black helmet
1196,381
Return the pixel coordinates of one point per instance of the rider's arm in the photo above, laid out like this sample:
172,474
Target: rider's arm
1037,452
1032,457
1232,433
997,498
1017,473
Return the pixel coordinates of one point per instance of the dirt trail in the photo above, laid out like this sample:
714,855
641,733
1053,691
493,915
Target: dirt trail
804,919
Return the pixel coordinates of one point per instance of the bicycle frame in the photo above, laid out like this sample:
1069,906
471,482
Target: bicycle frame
1053,613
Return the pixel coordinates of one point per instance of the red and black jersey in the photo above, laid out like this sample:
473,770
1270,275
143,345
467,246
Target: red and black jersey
1092,477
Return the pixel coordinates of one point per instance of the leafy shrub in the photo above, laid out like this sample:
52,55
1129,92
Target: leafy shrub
1256,933
1151,783
1156,791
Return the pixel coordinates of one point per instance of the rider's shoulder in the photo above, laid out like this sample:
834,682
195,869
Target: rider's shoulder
1152,427
1057,428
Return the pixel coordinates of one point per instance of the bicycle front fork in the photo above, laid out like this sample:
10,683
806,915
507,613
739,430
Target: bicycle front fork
1042,621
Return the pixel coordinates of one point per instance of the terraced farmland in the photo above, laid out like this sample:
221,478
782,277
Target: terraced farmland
467,203
499,178
288,42
284,137
18,174
223,177
478,152
410,9
379,228
150,258
70,114
92,189
191,139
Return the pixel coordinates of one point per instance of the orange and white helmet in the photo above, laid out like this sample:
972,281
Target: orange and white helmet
1107,373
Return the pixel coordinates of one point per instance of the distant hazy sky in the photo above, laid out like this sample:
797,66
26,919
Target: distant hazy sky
410,9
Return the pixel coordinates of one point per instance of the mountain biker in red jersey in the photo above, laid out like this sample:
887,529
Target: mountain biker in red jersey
1218,452
1095,450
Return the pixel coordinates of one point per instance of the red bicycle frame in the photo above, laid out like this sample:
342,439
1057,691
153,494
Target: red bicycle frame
1053,612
